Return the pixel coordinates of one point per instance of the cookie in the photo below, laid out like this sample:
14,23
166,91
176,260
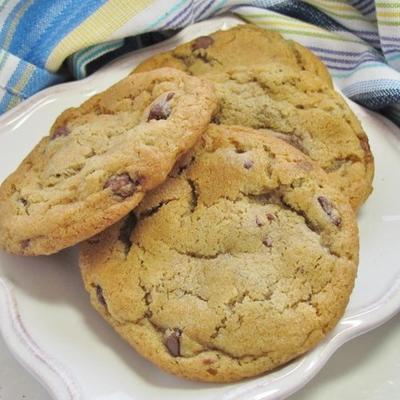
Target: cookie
244,45
100,159
243,259
305,112
282,93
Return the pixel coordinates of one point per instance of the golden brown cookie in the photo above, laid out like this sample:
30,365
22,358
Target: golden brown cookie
244,45
241,261
262,82
100,159
308,114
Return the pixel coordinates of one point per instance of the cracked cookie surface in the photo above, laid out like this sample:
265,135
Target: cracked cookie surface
244,45
264,81
243,259
100,159
304,111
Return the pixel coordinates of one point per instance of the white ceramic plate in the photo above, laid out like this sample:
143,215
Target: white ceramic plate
56,334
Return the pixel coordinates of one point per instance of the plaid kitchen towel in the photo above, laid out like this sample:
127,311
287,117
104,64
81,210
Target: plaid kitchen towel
44,42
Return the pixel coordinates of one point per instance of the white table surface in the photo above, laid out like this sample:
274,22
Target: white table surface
367,368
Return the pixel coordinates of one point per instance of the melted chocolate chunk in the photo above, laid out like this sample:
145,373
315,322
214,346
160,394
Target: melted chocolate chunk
61,131
172,341
25,244
329,209
122,184
267,241
161,110
270,217
216,120
202,42
259,222
170,96
212,371
248,164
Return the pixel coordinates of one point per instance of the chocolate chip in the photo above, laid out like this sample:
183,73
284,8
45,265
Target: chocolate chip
329,209
122,184
202,42
172,341
208,361
248,164
25,244
61,131
270,217
212,371
216,120
25,204
258,222
161,110
170,96
300,270
100,296
267,241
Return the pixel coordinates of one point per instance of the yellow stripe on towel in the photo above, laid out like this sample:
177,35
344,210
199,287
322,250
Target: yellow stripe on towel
96,29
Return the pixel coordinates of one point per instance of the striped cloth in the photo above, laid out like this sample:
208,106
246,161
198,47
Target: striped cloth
44,42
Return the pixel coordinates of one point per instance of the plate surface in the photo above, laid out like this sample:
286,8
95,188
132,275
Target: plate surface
58,337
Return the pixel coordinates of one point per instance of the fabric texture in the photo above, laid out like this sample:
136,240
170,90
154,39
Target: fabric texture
45,42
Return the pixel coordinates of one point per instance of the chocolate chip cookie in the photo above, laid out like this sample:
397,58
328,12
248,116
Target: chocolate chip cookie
243,45
308,114
243,259
295,100
100,159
